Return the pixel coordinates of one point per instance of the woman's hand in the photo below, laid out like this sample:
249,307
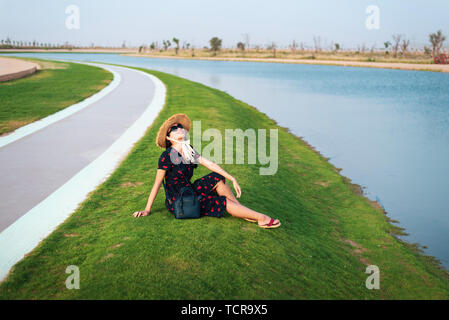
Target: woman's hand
236,187
141,213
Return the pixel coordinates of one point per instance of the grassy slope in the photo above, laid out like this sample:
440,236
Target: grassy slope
329,232
55,87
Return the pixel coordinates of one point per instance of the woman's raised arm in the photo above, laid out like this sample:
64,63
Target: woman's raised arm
216,168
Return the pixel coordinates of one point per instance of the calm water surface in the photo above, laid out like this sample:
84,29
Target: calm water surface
387,129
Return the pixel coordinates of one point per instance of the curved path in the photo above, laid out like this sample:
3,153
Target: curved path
47,172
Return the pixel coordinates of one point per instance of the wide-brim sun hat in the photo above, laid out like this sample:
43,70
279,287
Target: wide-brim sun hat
162,133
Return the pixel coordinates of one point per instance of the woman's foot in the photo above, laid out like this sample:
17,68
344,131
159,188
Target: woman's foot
265,221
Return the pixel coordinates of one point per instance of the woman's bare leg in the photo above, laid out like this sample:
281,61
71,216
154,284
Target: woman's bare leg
223,189
236,209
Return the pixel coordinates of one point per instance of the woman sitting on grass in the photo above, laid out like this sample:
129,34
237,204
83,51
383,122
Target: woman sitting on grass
177,167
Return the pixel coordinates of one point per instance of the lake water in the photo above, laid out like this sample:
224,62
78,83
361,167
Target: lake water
387,129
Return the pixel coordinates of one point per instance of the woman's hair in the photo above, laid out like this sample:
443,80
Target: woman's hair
167,142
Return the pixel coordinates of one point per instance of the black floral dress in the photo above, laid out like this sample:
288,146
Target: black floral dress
179,173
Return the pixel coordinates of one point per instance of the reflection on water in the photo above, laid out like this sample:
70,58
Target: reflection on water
387,129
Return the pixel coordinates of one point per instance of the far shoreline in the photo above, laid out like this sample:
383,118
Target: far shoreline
346,63
380,65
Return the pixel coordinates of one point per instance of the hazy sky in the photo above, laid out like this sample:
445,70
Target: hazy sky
110,22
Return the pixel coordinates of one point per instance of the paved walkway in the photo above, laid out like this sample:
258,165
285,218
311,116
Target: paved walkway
36,165
16,68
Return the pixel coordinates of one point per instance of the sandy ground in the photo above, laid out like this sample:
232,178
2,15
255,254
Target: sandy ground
15,68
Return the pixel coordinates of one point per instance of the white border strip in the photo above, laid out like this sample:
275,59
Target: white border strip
42,123
25,233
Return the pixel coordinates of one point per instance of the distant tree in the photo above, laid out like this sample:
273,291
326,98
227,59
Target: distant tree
361,48
215,44
396,41
337,47
241,46
185,45
246,39
404,45
317,43
124,44
293,46
387,44
175,40
152,46
436,39
427,50
166,44
272,46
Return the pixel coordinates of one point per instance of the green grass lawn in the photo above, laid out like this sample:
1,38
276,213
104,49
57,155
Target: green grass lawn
55,87
329,232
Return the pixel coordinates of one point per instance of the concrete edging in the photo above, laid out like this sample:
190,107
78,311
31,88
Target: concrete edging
17,75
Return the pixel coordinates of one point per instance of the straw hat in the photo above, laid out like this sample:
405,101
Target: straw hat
176,118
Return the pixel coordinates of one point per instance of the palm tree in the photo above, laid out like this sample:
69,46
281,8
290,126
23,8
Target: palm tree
337,47
386,45
177,45
166,44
